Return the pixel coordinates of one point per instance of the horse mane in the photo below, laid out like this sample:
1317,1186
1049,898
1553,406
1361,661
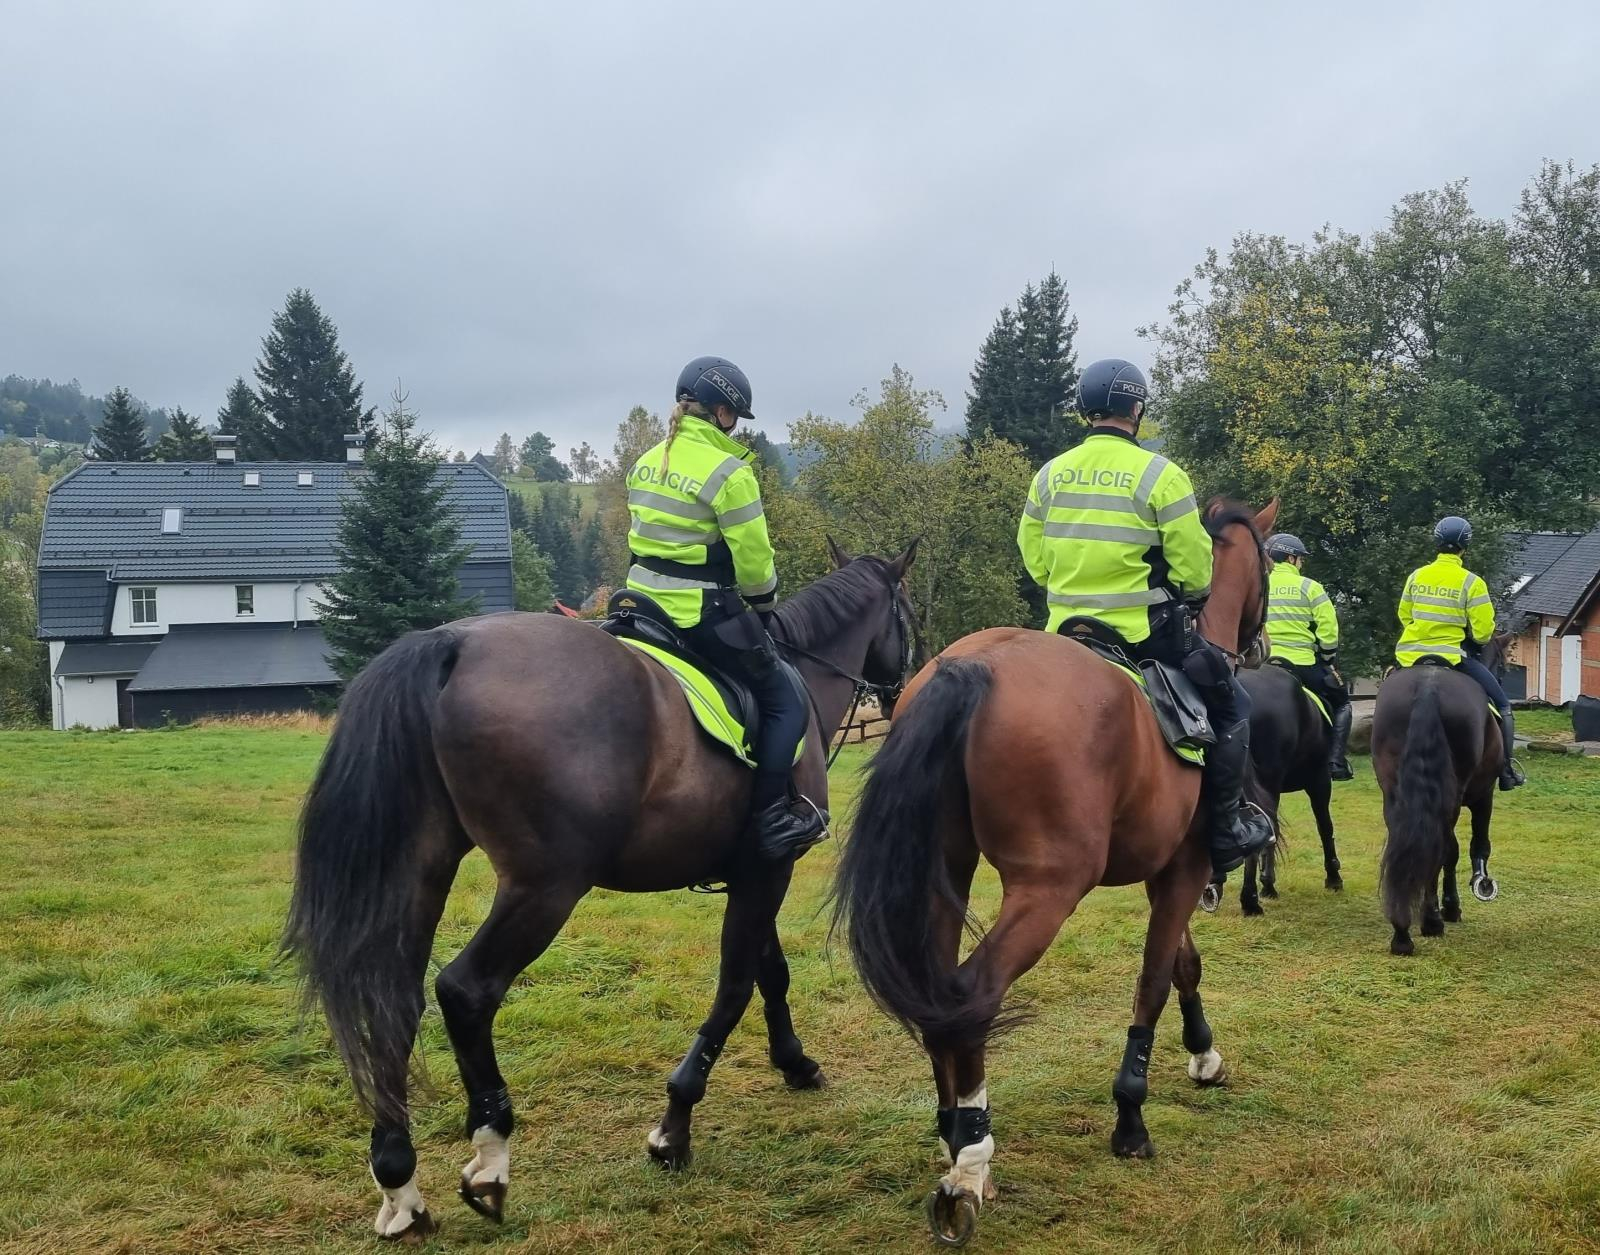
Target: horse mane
1223,512
817,611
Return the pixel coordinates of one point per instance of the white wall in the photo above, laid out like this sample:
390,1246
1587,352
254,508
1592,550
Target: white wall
90,702
212,603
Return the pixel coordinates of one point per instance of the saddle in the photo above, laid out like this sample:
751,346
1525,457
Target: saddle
1179,709
1316,698
722,702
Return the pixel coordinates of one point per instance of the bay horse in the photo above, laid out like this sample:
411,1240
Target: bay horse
572,762
1029,750
1289,741
1435,748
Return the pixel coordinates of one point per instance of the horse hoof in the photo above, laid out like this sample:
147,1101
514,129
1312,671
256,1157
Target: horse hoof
1269,891
1452,914
1250,906
806,1077
1433,928
1334,884
1208,1070
1485,889
952,1215
1143,1148
668,1154
1211,899
422,1227
1402,948
487,1199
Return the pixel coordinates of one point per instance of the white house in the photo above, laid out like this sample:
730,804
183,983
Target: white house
171,590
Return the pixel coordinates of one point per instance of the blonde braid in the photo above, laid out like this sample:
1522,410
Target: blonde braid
682,408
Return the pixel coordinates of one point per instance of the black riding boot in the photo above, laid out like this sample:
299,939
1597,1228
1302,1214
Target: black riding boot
1338,765
1510,774
1237,830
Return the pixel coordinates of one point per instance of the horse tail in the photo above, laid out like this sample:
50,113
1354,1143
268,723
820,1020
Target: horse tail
351,920
893,869
1414,850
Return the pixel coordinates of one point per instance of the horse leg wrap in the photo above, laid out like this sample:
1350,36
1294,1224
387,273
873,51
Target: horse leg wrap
688,1082
393,1159
490,1109
1196,1032
1132,1085
960,1127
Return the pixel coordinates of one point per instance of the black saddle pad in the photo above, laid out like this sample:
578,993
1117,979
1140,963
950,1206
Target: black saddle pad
635,615
1179,709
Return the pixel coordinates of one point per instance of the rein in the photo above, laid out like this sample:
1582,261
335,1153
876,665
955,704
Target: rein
1251,648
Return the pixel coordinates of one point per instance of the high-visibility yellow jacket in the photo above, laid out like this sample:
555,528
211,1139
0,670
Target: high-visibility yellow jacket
1301,622
697,523
1443,606
1111,530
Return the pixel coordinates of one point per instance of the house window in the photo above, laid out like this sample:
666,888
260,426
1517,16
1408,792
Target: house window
252,479
305,479
244,596
143,602
171,521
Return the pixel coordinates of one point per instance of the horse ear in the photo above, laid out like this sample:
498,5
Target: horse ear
837,555
902,564
1267,517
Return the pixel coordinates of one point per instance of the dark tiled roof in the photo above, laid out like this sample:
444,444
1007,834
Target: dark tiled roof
1533,553
104,658
1560,589
109,515
228,657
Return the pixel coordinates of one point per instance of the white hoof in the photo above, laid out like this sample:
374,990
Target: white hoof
1205,1069
971,1170
402,1212
492,1164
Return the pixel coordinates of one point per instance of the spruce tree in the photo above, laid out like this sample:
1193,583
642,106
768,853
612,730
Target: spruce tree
504,456
308,386
1025,378
185,440
242,415
399,549
530,575
122,435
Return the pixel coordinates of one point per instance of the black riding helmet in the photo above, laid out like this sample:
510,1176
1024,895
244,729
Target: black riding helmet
1453,533
714,381
1110,388
1286,545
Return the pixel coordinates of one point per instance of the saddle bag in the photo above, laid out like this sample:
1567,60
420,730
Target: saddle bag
1178,706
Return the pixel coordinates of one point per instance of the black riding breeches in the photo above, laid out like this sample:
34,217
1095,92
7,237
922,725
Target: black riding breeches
1486,681
1319,680
741,645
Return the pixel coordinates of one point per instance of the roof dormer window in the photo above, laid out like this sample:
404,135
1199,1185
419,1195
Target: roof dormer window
305,479
252,479
172,520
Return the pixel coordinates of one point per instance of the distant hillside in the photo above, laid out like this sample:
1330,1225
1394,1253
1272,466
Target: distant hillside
59,411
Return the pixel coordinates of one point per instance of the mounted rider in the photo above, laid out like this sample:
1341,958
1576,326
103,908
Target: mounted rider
701,552
1304,630
1112,532
1446,612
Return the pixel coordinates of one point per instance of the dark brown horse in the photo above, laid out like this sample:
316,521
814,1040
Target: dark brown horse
1027,749
572,762
1289,738
1435,749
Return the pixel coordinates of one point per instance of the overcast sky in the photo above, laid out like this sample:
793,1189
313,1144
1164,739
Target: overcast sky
535,213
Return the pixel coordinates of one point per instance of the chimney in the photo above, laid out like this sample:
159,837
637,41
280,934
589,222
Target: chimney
226,447
355,447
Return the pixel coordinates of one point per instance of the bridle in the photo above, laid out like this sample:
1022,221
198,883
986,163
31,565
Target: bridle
1251,647
883,692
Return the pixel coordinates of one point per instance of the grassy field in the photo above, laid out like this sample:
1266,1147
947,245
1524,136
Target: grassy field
157,1094
532,492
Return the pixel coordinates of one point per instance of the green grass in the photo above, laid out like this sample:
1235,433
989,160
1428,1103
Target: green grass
157,1094
1545,723
532,492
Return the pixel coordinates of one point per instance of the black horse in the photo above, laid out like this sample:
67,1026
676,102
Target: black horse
1289,740
1435,749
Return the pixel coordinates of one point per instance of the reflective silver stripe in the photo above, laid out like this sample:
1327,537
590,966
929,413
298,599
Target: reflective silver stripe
1033,511
1444,651
717,478
1449,603
1483,600
761,589
1433,616
666,583
669,505
1110,601
1319,601
1041,485
742,515
1287,616
1147,482
673,535
1176,509
1093,501
1103,531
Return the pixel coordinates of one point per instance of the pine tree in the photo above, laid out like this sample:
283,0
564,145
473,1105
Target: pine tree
539,460
1024,381
122,435
308,386
185,440
399,549
504,455
530,574
242,415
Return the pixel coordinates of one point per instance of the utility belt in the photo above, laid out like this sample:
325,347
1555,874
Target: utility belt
717,568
